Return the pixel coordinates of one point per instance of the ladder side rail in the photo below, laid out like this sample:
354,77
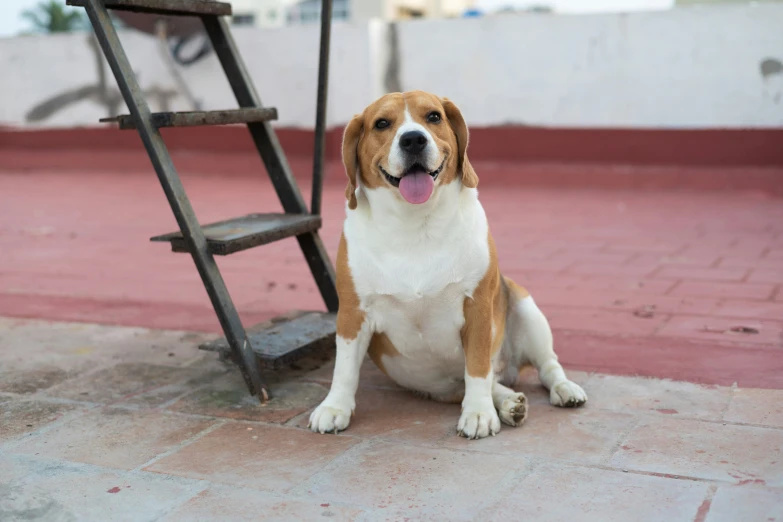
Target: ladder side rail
321,101
175,193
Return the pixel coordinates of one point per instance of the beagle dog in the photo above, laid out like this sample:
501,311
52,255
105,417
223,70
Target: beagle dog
418,278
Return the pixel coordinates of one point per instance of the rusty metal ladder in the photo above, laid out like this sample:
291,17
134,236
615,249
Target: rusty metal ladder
263,346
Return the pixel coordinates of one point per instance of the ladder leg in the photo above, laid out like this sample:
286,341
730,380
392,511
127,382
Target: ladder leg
175,193
320,106
273,156
321,267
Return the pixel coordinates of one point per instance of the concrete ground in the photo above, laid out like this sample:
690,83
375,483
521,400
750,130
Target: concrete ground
114,423
667,307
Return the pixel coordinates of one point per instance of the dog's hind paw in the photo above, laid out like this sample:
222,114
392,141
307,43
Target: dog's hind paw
567,394
513,410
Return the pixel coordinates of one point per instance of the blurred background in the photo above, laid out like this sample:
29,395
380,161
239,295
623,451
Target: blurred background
629,153
563,63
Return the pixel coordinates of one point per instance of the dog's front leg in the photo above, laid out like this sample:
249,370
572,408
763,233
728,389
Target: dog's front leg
334,413
479,417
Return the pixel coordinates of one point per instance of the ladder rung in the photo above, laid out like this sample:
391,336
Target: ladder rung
165,7
198,118
285,340
237,234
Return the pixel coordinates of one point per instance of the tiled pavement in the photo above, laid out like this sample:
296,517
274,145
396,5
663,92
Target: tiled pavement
111,423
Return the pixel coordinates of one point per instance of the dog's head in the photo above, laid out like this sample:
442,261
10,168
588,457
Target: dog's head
410,143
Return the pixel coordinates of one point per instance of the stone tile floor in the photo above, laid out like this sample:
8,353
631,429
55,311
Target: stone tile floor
115,423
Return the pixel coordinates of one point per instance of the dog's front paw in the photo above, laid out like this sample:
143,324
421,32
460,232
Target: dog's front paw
477,423
567,394
513,411
330,418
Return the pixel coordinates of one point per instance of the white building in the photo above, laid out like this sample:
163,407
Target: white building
271,13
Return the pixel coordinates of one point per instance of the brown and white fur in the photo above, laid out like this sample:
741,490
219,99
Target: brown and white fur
419,284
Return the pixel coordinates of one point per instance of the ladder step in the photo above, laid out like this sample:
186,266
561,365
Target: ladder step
237,234
280,342
165,7
197,118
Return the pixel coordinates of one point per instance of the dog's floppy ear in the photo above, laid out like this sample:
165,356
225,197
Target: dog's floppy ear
351,156
460,128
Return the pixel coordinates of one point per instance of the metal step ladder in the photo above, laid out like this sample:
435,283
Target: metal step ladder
256,348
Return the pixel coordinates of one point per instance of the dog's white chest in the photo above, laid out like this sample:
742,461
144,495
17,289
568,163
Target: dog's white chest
412,287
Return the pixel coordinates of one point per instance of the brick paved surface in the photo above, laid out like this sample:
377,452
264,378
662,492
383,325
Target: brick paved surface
127,424
683,285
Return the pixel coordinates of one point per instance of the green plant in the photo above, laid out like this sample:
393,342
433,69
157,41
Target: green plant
54,17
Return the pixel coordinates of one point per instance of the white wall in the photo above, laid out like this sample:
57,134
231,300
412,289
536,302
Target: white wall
282,61
695,67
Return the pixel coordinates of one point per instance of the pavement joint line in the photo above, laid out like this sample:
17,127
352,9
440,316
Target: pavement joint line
536,461
264,424
173,508
197,358
187,442
172,402
505,487
670,476
84,466
129,396
55,424
99,469
665,322
78,376
673,287
728,404
431,444
623,436
301,488
474,448
292,422
287,496
136,408
704,509
58,400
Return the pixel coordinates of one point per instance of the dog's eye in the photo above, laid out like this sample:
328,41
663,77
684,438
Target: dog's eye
433,117
381,124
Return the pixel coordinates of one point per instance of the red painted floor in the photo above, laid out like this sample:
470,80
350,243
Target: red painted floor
683,285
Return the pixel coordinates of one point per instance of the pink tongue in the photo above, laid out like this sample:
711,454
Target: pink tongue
416,187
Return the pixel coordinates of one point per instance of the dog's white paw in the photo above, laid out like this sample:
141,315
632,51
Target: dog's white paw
330,418
513,411
567,394
477,423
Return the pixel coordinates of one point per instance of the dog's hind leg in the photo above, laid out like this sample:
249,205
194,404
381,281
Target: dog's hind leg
511,405
528,330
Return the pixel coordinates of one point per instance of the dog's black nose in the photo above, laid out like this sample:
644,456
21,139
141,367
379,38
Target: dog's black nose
413,142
